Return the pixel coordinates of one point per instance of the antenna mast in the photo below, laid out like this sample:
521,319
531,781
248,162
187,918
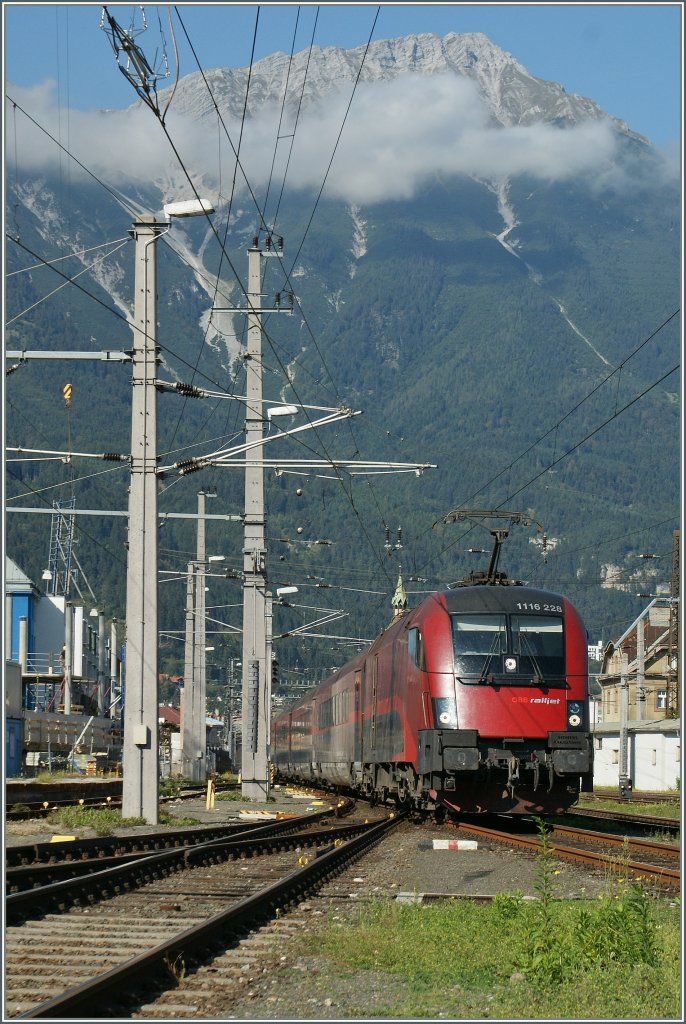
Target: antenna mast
61,545
673,644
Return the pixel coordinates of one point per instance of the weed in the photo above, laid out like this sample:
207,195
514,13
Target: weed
171,819
462,960
176,968
508,904
103,821
48,776
171,786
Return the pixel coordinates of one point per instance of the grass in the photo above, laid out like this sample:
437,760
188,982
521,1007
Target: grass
614,957
105,820
671,809
462,960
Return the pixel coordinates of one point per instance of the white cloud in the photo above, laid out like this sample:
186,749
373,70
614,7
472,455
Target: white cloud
398,135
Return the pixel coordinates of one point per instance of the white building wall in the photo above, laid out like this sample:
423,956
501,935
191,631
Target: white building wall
48,627
78,667
658,761
49,631
12,688
654,761
176,756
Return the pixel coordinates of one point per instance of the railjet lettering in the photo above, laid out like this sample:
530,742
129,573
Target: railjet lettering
536,700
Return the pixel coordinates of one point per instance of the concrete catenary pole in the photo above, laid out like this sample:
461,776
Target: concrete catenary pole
200,657
256,669
102,652
624,780
140,791
68,654
188,727
640,669
114,667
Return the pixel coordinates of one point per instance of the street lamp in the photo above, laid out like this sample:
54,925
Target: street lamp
188,208
282,410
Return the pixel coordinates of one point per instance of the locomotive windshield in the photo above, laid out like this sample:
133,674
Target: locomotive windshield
508,648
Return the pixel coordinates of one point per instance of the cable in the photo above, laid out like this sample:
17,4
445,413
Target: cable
70,280
181,164
555,426
107,188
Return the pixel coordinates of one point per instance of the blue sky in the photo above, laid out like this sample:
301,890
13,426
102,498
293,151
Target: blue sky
625,57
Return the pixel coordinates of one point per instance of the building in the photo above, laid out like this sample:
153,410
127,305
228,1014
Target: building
638,726
60,708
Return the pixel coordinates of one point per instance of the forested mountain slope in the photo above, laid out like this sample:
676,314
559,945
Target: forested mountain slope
498,295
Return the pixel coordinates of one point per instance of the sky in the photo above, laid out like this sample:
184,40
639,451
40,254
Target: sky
625,57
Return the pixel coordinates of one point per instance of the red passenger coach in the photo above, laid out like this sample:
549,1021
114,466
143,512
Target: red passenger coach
474,701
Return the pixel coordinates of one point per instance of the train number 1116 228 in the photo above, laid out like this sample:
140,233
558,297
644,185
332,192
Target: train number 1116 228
526,606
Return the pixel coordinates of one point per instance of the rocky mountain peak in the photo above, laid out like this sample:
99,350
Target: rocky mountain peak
512,94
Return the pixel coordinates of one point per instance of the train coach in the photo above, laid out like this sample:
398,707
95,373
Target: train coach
476,700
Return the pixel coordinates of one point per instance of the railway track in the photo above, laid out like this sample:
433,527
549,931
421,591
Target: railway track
646,822
150,934
636,798
191,942
613,855
70,875
25,810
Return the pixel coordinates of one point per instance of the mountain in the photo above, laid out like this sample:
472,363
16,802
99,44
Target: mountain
513,95
484,265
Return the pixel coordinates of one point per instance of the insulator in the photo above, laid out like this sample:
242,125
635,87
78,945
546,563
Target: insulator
189,390
281,242
255,242
268,241
291,299
114,457
188,466
277,298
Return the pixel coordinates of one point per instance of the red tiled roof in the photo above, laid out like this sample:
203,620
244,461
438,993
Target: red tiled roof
169,715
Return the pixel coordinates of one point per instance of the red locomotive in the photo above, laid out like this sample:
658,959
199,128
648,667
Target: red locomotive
474,701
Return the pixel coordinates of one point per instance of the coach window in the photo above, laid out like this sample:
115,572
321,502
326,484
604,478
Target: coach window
415,647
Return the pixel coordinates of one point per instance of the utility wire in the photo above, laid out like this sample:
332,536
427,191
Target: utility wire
189,179
119,199
556,425
615,414
70,280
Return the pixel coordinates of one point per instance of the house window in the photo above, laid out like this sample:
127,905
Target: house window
661,700
615,757
653,756
599,742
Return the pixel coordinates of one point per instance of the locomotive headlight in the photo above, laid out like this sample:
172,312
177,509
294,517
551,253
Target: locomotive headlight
445,712
510,664
575,714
